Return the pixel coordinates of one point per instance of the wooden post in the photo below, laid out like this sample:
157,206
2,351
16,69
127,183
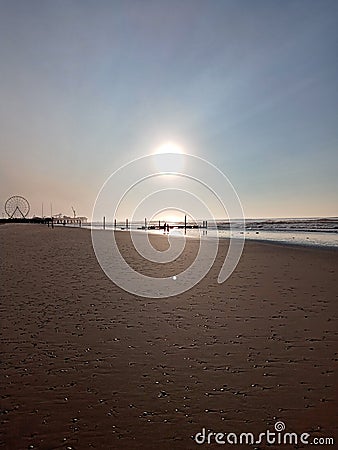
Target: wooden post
104,222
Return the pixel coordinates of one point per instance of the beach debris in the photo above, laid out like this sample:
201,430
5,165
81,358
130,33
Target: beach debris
147,413
163,394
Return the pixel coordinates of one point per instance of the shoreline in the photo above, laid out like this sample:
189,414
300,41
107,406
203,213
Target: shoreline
329,248
321,245
223,238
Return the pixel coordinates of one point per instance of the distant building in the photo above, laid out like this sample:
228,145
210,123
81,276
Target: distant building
59,218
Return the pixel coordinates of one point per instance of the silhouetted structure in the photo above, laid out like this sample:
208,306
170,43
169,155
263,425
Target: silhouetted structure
17,207
26,220
60,219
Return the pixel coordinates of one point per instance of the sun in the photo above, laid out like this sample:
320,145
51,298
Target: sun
169,147
169,158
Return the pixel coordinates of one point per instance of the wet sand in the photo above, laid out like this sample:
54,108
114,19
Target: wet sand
86,365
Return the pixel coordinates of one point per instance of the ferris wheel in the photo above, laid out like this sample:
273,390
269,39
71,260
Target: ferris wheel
17,207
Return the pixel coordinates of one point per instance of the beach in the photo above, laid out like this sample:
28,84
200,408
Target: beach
85,364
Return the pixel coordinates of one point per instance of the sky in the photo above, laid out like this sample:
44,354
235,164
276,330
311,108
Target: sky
250,86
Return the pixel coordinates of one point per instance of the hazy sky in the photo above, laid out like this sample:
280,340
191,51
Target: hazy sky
249,85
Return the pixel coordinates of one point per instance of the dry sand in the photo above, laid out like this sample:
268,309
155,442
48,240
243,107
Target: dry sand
87,365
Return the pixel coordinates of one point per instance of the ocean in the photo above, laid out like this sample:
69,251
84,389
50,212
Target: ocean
303,231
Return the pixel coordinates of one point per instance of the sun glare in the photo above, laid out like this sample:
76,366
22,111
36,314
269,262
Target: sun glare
168,147
169,157
169,216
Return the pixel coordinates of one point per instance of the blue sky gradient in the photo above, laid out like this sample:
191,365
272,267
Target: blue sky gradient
249,85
